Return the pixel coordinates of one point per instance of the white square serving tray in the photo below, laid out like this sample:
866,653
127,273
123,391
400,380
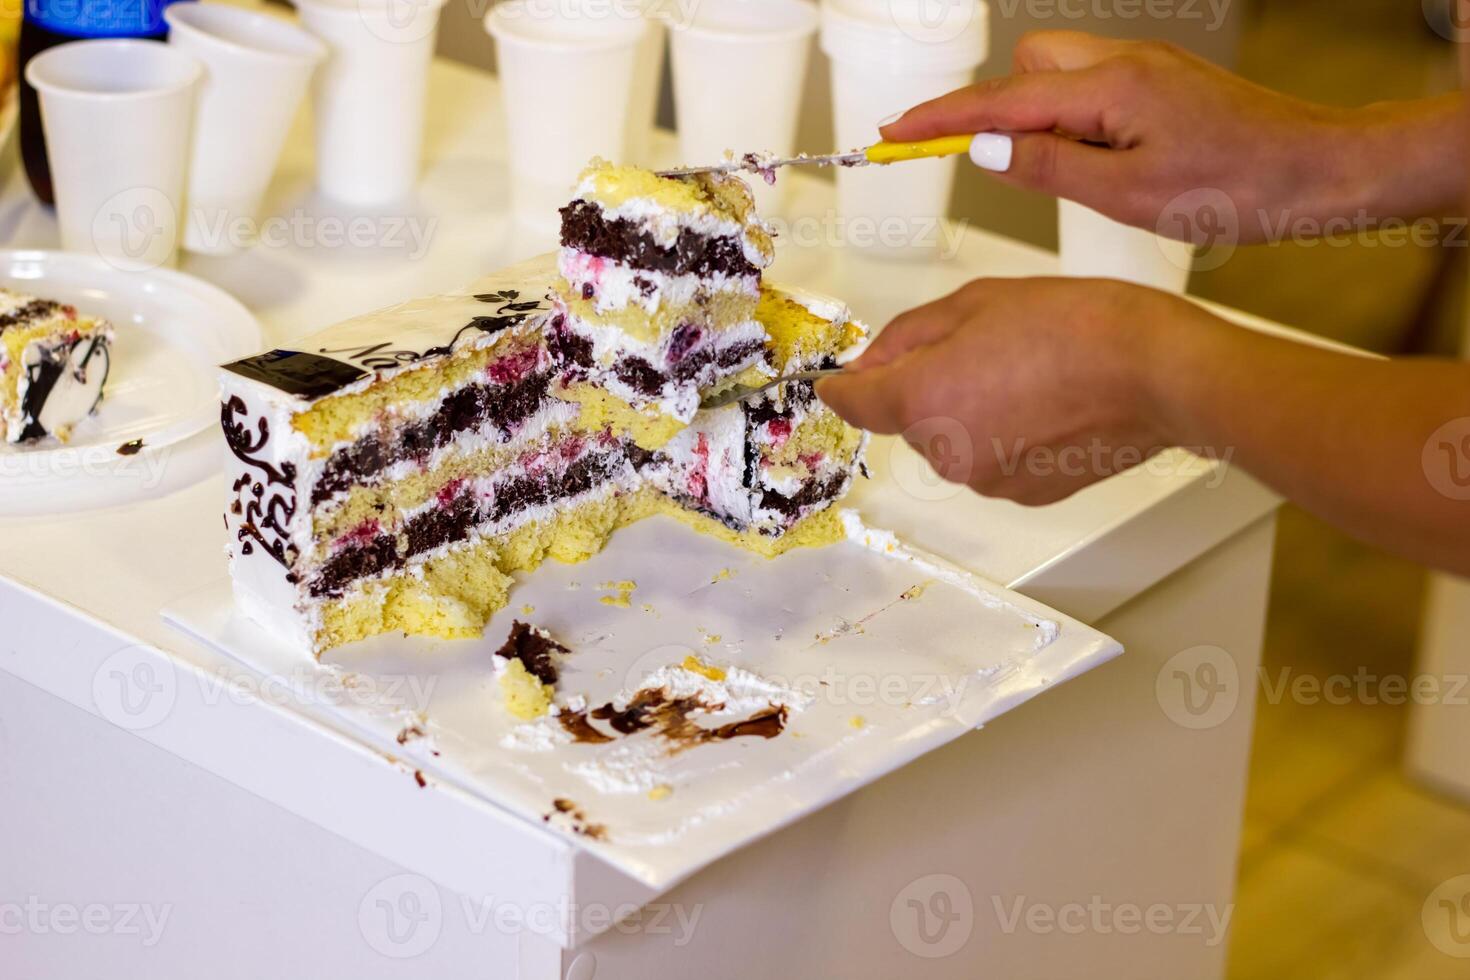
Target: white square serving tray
880,653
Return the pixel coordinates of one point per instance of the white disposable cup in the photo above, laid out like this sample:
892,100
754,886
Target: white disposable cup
648,69
566,77
256,69
1094,245
117,115
766,44
887,56
368,98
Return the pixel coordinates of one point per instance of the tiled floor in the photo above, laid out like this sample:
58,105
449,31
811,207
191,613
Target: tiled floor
1340,851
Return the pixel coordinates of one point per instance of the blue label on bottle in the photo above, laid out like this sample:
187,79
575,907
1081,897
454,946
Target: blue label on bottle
99,18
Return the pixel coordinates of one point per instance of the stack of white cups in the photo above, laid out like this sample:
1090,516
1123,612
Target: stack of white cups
138,131
889,55
739,67
569,71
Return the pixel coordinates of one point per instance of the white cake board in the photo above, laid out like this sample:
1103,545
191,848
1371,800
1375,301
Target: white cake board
891,678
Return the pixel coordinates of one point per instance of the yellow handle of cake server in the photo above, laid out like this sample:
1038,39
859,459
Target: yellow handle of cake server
944,146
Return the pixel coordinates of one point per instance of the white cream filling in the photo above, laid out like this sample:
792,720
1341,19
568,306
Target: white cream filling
617,287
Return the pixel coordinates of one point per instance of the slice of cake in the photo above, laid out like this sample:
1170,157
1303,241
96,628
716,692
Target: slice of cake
762,466
660,279
53,365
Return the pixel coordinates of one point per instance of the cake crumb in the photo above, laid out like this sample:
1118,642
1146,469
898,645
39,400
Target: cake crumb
914,591
526,697
527,609
660,792
857,721
623,592
696,666
722,575
418,777
130,448
648,607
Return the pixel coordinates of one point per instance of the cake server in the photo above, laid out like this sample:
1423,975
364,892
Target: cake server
739,393
881,153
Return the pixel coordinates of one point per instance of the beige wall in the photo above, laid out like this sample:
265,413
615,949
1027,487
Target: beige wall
1210,27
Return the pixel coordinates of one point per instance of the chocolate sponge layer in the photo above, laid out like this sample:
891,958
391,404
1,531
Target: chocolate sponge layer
585,228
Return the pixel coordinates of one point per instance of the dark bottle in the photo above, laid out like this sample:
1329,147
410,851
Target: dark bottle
48,23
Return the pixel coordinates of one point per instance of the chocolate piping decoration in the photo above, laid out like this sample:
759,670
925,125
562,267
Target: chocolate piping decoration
264,514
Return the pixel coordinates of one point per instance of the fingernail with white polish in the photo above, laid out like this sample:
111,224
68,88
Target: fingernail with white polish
889,120
991,151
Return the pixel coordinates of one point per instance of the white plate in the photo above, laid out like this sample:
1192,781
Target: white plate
173,330
899,652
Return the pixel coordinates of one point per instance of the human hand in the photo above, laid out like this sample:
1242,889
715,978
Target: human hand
1147,134
1054,370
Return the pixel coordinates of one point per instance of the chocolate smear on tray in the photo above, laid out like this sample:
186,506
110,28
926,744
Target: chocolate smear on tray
576,725
670,718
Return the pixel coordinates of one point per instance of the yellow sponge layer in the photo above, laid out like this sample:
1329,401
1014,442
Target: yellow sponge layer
339,418
813,531
526,697
798,334
603,411
719,310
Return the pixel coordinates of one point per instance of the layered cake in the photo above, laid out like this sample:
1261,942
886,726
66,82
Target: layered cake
53,365
659,284
394,471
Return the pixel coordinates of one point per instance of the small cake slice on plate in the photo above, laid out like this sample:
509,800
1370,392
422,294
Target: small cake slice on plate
53,365
660,278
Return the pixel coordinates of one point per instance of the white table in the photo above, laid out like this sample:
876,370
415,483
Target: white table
277,848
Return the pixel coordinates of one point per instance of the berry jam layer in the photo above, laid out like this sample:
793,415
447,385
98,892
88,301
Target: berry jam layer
587,228
534,487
